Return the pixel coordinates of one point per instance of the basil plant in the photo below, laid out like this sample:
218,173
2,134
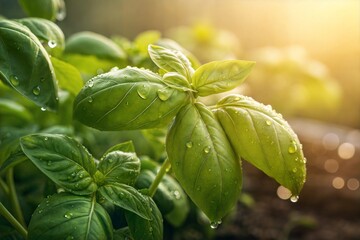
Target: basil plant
204,144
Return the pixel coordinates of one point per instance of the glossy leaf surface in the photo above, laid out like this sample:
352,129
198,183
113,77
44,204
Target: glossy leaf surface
141,228
171,60
48,9
89,43
26,66
139,99
126,197
203,161
262,137
67,216
63,160
120,167
220,76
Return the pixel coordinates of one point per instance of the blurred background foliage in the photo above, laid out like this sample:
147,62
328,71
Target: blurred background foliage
307,52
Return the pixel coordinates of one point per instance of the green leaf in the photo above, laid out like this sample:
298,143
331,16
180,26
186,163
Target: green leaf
68,76
13,160
47,32
126,197
127,99
67,216
141,228
89,43
120,167
262,137
48,9
220,76
26,65
203,161
122,234
14,112
144,39
171,60
63,160
176,80
125,147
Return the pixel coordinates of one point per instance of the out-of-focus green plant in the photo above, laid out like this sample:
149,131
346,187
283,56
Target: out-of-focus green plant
293,83
207,42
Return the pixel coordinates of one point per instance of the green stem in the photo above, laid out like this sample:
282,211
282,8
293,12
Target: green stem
164,168
13,197
8,216
4,187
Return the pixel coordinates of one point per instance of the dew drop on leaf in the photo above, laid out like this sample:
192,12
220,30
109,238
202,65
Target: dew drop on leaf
43,109
207,149
90,100
189,144
14,80
294,170
268,122
215,224
176,194
52,43
36,90
49,163
61,12
46,138
164,94
143,91
90,83
292,148
68,215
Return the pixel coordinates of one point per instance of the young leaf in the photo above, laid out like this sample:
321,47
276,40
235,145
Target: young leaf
141,100
67,216
124,147
141,228
127,198
26,65
89,43
220,76
176,80
203,161
68,76
120,167
261,136
63,160
48,9
47,32
171,60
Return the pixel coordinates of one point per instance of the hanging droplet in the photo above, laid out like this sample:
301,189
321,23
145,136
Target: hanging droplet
90,83
52,43
46,138
294,198
215,224
293,147
114,69
189,144
61,11
143,91
164,94
36,90
90,100
268,122
14,80
176,194
68,215
43,109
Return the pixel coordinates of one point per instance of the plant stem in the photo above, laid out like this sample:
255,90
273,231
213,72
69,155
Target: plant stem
4,187
13,197
8,216
164,168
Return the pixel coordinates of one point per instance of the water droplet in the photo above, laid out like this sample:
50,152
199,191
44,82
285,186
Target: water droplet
49,163
164,94
77,185
114,69
46,138
294,170
209,169
43,109
268,122
52,43
81,175
68,215
36,90
293,147
207,149
143,91
294,198
90,83
215,224
40,211
189,144
176,194
14,80
90,100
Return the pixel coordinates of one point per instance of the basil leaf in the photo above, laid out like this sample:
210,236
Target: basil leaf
127,198
26,66
124,147
171,60
220,76
89,43
203,161
144,39
63,160
176,80
141,228
120,167
68,76
67,216
156,103
47,32
263,138
15,113
49,9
